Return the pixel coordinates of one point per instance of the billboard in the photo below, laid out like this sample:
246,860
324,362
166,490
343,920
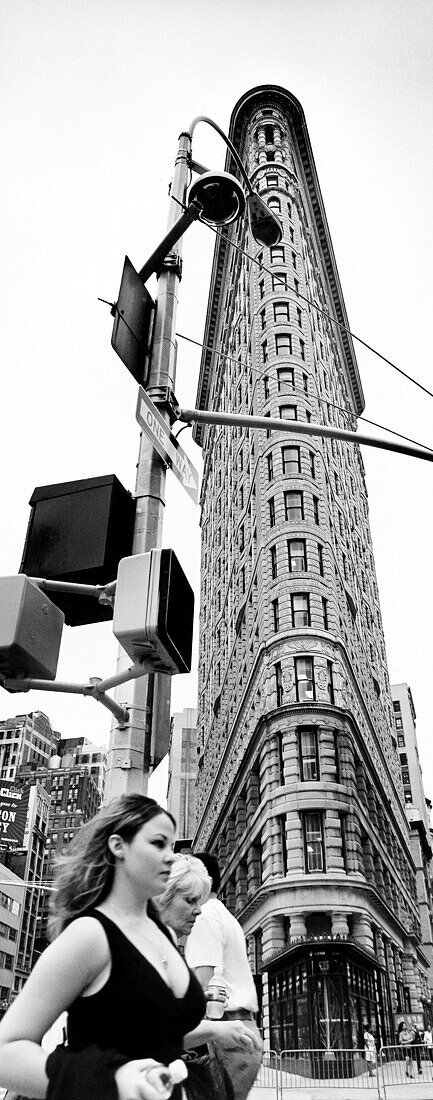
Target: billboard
13,814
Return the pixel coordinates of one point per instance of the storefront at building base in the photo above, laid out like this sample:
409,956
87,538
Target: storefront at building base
323,994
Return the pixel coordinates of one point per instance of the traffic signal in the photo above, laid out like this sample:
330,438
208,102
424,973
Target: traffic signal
154,610
78,531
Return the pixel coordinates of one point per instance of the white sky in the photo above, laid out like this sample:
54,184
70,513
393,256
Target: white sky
93,96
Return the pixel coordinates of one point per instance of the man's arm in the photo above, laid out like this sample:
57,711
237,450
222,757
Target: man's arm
204,974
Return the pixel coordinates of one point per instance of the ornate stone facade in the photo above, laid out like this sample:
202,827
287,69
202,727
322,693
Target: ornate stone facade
299,786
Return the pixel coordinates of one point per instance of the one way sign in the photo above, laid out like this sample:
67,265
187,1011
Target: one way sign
166,444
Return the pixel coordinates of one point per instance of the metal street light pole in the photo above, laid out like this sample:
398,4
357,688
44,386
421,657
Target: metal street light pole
217,198
130,751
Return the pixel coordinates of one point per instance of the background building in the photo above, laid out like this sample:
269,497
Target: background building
182,771
418,811
73,798
48,789
11,899
84,751
24,738
299,785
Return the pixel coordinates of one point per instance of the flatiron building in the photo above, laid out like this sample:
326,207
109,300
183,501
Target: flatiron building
299,787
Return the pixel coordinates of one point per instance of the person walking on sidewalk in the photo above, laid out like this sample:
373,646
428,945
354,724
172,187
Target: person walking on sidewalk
428,1042
405,1036
217,942
370,1051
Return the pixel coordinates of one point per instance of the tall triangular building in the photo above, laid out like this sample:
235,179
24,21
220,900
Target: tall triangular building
299,789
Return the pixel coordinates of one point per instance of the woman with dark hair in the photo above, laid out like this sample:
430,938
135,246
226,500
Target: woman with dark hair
113,967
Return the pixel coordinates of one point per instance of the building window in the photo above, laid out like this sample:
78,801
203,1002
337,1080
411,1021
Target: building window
320,559
343,829
279,683
325,613
316,509
265,351
281,311
277,254
398,723
288,412
294,260
291,459
329,681
293,506
283,842
275,616
400,741
285,378
263,318
274,567
337,756
302,349
271,506
396,705
279,282
304,679
266,387
296,285
270,461
297,556
300,602
274,204
262,288
308,755
271,180
299,316
314,847
283,343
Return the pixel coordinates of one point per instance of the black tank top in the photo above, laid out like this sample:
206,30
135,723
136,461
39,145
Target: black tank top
135,1012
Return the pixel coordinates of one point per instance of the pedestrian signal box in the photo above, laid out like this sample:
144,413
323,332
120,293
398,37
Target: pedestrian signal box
30,630
78,531
154,610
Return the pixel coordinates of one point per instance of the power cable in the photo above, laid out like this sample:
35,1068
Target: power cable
322,400
314,305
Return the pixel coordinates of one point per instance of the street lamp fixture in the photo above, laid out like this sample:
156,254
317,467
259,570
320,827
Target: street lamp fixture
216,198
220,196
264,224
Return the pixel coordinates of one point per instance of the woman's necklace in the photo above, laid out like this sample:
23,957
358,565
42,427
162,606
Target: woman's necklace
157,948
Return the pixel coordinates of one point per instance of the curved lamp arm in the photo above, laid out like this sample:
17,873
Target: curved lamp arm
235,155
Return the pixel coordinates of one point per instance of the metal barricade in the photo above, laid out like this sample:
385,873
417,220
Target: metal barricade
327,1072
268,1077
405,1068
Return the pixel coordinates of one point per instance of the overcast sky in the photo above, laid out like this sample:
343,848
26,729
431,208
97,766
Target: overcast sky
93,96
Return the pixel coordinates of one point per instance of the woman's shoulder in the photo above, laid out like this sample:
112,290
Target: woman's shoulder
87,935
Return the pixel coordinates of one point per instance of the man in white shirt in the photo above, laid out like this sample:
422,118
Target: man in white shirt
217,942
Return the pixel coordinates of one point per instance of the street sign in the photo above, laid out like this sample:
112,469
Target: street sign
133,315
166,444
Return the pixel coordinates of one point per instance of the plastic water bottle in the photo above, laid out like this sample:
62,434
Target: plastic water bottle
164,1078
216,996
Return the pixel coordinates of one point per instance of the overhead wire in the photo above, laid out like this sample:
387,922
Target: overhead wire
314,305
321,400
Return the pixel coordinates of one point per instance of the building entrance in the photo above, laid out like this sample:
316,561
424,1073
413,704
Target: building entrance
324,997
